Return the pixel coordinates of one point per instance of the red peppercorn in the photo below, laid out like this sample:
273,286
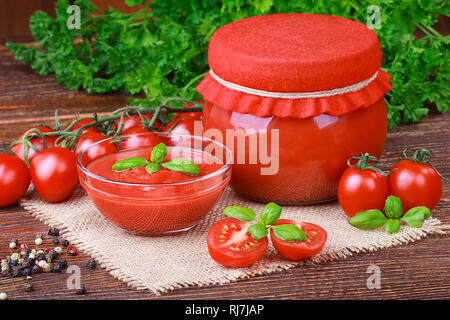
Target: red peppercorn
72,251
23,246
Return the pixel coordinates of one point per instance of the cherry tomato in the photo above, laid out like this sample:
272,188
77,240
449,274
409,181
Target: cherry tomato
129,122
298,250
97,151
184,123
83,122
231,245
416,184
362,188
14,179
137,141
54,173
37,142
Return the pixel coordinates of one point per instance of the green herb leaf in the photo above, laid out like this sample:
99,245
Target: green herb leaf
258,231
425,210
182,165
392,225
240,213
270,213
152,167
415,216
393,207
368,220
129,163
158,154
289,232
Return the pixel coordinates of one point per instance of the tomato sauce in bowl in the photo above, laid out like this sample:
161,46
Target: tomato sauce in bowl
165,201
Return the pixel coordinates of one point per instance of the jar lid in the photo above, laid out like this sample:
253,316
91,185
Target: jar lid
297,65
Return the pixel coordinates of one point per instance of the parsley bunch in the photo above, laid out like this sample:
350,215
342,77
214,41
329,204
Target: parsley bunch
162,53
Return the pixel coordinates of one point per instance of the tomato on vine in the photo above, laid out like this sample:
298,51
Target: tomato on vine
362,186
139,138
38,142
183,123
135,121
14,179
415,181
97,151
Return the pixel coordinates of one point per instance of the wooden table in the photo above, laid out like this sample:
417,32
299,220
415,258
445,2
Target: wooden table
418,270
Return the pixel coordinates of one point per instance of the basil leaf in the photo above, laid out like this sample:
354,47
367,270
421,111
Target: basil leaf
289,232
392,225
152,168
129,163
270,213
393,207
425,210
240,213
258,231
414,217
158,154
368,220
182,165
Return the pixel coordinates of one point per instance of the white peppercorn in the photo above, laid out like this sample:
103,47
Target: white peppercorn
3,296
12,245
38,241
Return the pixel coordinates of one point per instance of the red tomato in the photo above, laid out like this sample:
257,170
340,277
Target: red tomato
14,179
54,174
184,123
298,250
82,123
129,122
360,190
416,184
97,151
50,142
147,140
231,245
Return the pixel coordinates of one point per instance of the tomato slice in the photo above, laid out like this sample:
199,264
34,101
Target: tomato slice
231,245
298,250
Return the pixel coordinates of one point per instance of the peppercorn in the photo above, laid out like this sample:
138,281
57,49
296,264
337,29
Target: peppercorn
72,251
40,256
57,268
23,246
16,271
29,287
12,245
12,263
42,263
26,271
36,269
65,242
25,252
51,255
81,291
62,263
53,232
92,264
38,241
55,241
47,267
15,256
3,296
58,250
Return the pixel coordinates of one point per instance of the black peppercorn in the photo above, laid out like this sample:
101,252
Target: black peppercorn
40,256
36,269
53,232
65,242
16,271
55,241
57,268
30,261
25,252
92,264
26,271
81,291
62,263
12,263
29,287
52,255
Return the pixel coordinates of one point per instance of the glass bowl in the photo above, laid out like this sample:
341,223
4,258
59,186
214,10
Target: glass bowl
161,208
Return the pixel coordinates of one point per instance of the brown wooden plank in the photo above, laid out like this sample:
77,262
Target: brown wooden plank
420,270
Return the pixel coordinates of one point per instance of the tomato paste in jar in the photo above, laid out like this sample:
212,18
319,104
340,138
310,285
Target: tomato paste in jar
294,96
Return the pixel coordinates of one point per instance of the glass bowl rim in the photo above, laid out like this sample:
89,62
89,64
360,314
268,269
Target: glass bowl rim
222,169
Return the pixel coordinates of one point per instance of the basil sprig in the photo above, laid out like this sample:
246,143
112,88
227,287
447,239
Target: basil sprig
157,156
269,215
373,219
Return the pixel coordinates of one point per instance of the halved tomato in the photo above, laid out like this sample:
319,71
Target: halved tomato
298,250
231,245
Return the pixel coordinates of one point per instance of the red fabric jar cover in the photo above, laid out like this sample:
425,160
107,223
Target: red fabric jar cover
313,64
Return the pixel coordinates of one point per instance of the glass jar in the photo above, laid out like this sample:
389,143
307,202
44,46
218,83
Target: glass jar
294,96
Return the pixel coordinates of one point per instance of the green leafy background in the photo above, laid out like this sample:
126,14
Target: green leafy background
162,53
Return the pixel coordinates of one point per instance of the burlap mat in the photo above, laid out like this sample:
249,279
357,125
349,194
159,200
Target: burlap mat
160,264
